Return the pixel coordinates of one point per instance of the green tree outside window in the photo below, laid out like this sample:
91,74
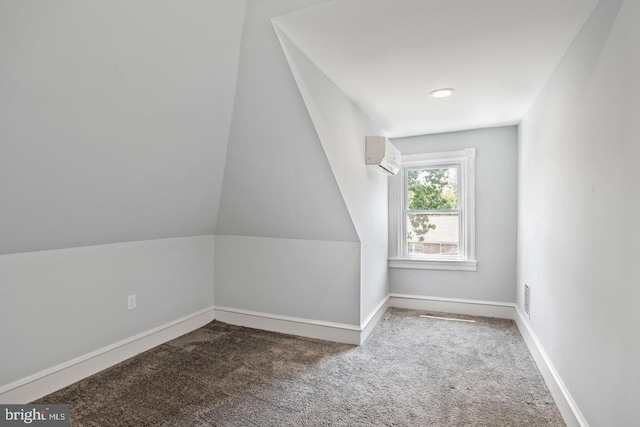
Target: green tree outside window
430,190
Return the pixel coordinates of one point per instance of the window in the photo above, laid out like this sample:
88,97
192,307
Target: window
432,212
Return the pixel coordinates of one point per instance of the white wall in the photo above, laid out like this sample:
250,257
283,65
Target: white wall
279,189
342,127
114,118
61,304
578,212
496,205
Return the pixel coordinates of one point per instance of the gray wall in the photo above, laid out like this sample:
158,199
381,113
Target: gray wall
496,206
277,181
281,200
342,127
578,211
114,120
61,304
310,279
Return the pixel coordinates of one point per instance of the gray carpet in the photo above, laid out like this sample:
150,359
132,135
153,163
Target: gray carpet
412,371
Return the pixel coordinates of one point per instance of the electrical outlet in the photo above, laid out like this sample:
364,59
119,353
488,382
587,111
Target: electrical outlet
131,302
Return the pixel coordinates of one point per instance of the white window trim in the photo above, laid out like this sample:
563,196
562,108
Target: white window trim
466,159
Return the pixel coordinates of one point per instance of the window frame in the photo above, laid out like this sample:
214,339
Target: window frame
464,160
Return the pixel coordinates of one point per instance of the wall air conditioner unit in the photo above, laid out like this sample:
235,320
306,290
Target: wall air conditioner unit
380,151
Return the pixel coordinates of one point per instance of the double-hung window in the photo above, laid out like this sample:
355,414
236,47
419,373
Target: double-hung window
432,212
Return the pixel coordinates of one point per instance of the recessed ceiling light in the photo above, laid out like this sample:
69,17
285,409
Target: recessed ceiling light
441,93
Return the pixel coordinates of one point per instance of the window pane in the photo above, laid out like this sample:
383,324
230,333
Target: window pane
432,189
431,234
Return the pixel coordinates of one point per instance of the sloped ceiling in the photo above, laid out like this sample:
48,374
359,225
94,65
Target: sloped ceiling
115,116
387,55
114,119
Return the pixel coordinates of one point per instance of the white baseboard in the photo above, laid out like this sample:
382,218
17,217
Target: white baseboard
373,318
330,331
501,310
351,334
319,329
42,383
567,406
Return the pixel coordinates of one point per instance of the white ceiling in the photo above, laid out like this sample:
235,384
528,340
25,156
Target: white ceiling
387,55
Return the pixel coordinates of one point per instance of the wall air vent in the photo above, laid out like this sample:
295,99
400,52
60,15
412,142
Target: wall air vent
380,152
527,300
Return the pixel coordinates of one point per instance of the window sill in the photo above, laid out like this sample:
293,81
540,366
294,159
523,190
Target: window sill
430,264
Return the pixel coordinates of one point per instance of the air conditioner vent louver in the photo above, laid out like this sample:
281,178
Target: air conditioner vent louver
527,299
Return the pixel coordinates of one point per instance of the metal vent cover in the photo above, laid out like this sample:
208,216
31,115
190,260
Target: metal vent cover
527,299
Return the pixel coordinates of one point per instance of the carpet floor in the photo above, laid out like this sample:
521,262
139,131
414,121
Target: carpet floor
412,371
